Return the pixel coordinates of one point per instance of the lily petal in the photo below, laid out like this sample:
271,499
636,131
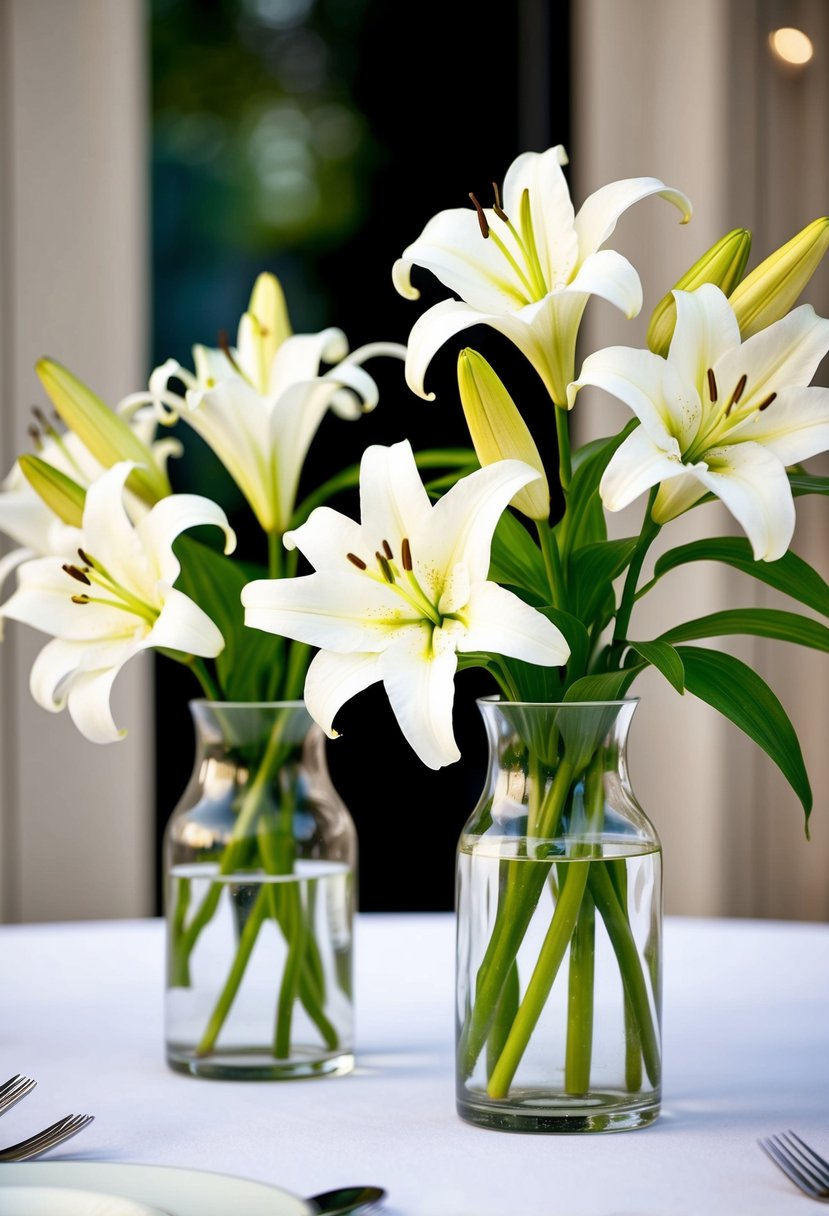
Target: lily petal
420,687
462,523
183,625
784,355
234,421
342,612
676,496
611,276
706,330
753,485
452,248
393,502
43,599
794,427
108,532
327,537
168,519
636,466
333,679
599,214
668,408
551,209
88,703
501,623
299,357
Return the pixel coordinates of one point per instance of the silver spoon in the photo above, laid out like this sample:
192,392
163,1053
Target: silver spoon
347,1201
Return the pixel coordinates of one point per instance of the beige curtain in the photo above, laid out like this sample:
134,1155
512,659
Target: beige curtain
75,820
692,94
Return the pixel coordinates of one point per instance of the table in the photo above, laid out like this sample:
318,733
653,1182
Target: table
746,1040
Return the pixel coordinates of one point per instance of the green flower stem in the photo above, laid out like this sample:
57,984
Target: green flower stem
579,1049
289,988
180,967
630,966
230,859
247,941
550,958
552,564
525,882
565,468
275,554
505,1013
633,1042
649,533
580,998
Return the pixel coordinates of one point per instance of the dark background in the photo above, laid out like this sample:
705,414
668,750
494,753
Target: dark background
314,139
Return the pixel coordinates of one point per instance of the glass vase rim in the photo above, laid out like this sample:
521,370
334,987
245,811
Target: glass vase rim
208,702
497,699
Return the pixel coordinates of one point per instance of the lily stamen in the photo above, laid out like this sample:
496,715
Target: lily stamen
356,561
406,554
75,573
764,405
387,550
482,220
383,563
80,599
36,437
737,394
712,386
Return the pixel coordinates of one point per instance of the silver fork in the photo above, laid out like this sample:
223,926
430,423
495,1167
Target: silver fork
48,1139
806,1169
14,1089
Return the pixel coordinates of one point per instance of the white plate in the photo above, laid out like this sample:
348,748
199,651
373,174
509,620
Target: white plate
57,1201
180,1192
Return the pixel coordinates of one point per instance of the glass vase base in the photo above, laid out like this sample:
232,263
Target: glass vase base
252,1064
560,1114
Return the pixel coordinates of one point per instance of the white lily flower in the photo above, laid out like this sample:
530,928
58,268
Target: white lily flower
25,517
398,596
114,601
718,415
526,268
259,405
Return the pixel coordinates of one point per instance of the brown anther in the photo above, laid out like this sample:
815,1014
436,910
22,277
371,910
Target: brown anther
80,599
74,572
497,208
737,394
385,567
224,347
406,554
42,419
712,385
86,559
482,220
35,436
764,405
387,550
356,561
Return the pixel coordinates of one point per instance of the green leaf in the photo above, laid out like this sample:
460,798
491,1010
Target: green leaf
60,493
740,695
106,435
592,571
806,483
583,522
665,659
515,559
789,573
251,666
760,622
608,686
534,683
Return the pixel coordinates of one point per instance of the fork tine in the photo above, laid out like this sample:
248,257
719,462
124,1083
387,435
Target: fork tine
800,1161
47,1139
783,1162
13,1090
818,1163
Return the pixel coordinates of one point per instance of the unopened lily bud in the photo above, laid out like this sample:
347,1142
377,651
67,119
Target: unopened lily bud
103,432
773,287
498,431
267,305
62,495
723,265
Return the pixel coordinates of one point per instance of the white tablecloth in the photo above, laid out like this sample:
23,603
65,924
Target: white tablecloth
746,1041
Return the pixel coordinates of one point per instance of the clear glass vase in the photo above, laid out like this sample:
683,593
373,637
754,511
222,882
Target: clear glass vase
559,915
260,859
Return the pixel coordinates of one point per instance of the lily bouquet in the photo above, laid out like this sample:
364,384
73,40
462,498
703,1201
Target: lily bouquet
466,570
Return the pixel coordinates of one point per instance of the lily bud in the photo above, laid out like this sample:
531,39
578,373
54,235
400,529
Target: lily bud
723,265
267,305
61,494
107,436
498,431
772,288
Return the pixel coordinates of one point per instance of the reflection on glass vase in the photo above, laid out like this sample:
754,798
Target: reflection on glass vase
559,928
260,859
